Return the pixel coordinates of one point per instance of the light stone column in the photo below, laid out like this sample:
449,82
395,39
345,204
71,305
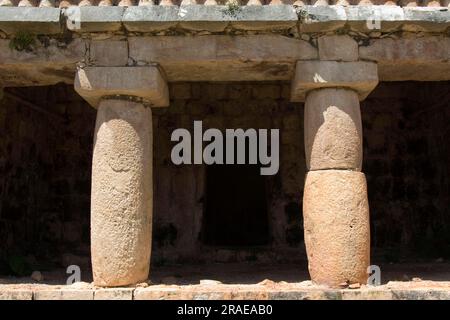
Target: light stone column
122,189
335,204
122,186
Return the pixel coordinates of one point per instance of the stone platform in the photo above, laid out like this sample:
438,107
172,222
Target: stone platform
239,282
209,290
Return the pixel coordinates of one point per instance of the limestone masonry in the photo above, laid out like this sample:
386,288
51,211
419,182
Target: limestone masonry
315,70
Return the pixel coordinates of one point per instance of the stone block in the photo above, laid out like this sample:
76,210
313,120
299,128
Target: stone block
420,294
420,59
114,294
305,294
428,19
413,51
366,294
11,294
222,57
93,19
339,48
30,19
374,18
150,18
202,18
162,293
274,17
107,53
321,18
333,130
359,76
64,294
93,83
336,224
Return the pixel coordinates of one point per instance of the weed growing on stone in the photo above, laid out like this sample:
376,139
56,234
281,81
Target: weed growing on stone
233,9
22,41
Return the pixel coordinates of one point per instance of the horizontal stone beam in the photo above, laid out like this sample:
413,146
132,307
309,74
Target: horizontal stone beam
222,58
218,58
29,19
146,83
420,59
216,18
211,18
46,64
360,76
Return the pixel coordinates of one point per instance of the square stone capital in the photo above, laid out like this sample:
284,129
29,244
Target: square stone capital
359,76
146,83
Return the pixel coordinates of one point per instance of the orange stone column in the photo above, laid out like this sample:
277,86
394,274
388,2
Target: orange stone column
122,185
335,204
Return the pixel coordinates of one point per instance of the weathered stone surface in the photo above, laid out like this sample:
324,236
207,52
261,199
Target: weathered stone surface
211,18
222,58
321,18
336,223
108,53
309,75
274,17
45,65
333,130
421,59
30,19
122,193
367,294
416,50
426,19
374,18
305,295
150,18
214,18
162,293
339,48
64,294
114,294
437,71
199,17
94,19
6,294
420,294
93,83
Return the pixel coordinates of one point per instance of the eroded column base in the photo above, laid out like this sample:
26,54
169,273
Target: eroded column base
336,223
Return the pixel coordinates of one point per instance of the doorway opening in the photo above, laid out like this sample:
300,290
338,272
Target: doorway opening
236,212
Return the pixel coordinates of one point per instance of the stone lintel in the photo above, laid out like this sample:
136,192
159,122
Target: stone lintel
93,19
147,83
221,57
30,20
309,75
216,18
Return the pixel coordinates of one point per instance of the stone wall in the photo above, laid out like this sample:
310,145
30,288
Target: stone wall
45,164
407,162
45,161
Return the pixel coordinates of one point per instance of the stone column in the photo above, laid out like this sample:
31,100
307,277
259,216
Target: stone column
122,186
335,205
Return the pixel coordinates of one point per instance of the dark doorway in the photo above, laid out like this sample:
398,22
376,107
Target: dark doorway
236,207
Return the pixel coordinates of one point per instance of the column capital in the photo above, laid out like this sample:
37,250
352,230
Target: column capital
360,76
145,83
